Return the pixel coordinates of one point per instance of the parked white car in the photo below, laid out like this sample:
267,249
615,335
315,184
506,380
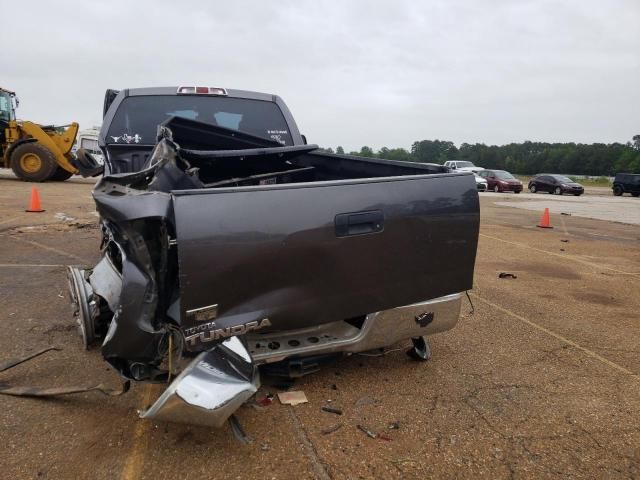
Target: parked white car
462,166
481,183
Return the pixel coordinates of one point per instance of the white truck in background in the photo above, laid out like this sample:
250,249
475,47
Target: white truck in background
88,139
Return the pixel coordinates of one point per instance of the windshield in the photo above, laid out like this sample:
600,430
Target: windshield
562,178
6,107
137,118
502,175
464,164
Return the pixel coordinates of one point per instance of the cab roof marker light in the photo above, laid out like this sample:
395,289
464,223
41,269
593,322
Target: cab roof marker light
217,91
202,91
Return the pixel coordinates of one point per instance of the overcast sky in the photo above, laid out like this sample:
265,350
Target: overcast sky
377,73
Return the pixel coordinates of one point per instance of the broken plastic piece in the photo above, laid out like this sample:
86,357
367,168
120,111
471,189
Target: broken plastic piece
292,398
369,433
337,411
506,275
266,400
331,429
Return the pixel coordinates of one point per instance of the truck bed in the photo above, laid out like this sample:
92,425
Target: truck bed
289,234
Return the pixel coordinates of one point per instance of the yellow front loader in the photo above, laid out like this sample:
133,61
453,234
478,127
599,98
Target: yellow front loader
35,153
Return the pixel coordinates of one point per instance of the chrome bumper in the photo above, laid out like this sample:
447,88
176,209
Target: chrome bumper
380,329
210,388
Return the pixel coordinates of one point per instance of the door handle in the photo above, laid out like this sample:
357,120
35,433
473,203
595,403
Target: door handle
359,223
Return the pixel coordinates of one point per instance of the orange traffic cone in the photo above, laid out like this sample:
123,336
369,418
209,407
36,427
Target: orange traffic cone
34,203
544,220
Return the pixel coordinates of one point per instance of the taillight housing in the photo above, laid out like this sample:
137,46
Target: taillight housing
201,91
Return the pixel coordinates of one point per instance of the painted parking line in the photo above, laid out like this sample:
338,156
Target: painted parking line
83,261
551,333
135,460
565,256
32,265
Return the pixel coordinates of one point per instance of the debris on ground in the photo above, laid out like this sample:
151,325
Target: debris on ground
266,400
43,392
337,411
295,397
394,426
238,431
365,401
369,433
331,429
17,361
506,275
564,213
564,240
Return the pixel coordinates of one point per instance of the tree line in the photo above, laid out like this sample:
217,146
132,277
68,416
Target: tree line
527,158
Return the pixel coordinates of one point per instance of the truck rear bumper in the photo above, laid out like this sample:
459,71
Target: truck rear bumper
380,329
210,388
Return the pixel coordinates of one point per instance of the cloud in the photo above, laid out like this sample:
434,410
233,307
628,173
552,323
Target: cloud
353,73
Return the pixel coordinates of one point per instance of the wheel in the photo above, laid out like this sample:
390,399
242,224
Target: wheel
617,190
496,189
577,194
558,191
33,162
636,194
82,305
516,191
60,175
533,189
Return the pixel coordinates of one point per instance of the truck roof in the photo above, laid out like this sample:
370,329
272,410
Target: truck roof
268,97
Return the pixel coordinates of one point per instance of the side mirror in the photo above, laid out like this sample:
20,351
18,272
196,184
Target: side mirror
304,139
87,164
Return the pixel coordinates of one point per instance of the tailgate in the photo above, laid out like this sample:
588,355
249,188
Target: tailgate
303,254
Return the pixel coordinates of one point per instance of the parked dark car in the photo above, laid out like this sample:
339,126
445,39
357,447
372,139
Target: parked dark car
626,183
501,181
557,184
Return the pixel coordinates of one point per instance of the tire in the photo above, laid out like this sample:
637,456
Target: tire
60,175
516,191
617,190
533,189
496,189
33,162
577,194
557,191
636,194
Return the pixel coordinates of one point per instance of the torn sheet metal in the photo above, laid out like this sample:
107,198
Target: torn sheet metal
210,389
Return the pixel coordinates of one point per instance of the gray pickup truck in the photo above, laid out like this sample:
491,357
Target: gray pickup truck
230,245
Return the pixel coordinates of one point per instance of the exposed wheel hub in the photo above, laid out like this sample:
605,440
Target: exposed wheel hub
84,305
